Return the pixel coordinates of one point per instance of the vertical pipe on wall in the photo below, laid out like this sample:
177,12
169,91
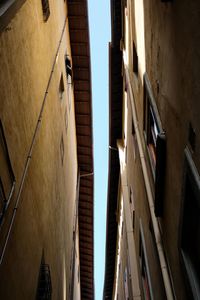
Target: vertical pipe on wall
159,245
29,155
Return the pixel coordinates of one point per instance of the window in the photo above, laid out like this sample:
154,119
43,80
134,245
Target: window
44,289
151,123
7,178
132,203
135,60
144,269
61,87
62,149
190,228
68,69
134,141
45,9
156,145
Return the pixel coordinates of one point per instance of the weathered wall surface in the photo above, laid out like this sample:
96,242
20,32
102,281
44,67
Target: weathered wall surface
170,57
44,218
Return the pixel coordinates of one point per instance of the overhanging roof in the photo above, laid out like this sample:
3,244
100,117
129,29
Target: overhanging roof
80,49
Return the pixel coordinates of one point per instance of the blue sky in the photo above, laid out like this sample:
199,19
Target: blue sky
99,18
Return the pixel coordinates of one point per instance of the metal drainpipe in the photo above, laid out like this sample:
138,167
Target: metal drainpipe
74,238
31,146
159,245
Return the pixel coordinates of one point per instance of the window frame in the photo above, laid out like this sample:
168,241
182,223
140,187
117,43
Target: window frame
61,87
156,151
191,180
150,107
143,262
69,76
6,198
45,9
135,60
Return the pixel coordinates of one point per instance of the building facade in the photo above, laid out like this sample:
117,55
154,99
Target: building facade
46,179
154,162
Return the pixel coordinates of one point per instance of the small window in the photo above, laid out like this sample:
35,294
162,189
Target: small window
144,268
7,178
69,80
61,87
68,69
132,203
190,228
134,141
45,9
135,60
156,144
152,123
44,289
62,149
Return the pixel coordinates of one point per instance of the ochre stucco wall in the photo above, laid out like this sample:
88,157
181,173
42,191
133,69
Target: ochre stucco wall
45,216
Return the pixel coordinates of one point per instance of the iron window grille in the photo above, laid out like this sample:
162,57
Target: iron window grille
7,178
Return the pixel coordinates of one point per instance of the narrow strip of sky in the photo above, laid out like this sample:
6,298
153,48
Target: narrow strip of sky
99,21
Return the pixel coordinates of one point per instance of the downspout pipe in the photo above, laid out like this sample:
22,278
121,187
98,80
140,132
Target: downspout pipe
159,245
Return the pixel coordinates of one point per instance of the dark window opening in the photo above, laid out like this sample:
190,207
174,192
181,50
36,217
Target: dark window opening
44,289
152,123
7,178
156,145
151,127
45,9
62,149
144,269
61,87
190,229
133,128
68,69
135,60
151,130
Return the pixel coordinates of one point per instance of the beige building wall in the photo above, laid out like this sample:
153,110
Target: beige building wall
166,52
36,116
